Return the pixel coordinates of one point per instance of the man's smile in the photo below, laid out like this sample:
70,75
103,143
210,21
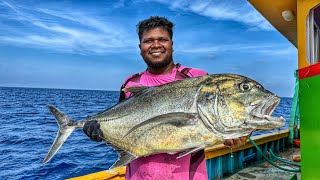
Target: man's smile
156,53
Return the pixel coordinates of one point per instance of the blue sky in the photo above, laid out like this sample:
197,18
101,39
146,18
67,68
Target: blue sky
94,45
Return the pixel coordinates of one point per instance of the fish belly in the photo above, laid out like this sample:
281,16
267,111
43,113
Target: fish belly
165,138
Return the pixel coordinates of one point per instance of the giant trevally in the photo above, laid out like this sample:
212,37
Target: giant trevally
183,116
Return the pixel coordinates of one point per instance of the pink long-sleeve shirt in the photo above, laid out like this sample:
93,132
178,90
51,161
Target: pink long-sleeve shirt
166,166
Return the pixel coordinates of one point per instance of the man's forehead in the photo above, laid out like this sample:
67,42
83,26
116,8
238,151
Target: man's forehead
158,31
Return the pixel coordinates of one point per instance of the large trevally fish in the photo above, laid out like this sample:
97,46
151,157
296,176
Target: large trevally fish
183,116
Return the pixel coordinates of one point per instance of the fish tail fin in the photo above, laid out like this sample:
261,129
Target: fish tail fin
66,127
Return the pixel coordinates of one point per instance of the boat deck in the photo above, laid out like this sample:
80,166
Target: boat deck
266,171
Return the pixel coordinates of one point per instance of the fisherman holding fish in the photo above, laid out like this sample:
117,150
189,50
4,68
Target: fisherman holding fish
173,113
156,48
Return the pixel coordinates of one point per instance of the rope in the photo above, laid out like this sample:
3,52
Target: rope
282,160
270,161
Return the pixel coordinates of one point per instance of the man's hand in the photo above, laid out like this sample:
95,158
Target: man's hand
237,142
93,131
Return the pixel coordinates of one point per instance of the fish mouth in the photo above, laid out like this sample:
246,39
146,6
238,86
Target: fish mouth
262,118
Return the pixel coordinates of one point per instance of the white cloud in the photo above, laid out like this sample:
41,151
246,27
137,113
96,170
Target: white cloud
85,20
270,49
236,10
67,31
75,31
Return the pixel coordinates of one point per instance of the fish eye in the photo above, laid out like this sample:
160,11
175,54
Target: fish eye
245,86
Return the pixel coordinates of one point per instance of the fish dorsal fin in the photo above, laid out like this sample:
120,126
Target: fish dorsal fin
124,157
135,89
190,151
176,119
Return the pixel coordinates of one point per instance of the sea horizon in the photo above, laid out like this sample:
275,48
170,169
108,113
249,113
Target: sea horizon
77,89
26,87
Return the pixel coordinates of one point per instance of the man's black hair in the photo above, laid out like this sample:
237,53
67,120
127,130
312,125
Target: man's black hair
154,22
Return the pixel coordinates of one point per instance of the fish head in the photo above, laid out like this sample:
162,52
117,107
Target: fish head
234,106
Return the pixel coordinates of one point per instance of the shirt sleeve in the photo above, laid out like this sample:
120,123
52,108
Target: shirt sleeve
133,80
124,95
194,72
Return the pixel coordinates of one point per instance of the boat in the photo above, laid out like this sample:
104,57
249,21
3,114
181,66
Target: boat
299,22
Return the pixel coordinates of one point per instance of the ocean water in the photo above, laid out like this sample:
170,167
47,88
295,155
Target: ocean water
27,130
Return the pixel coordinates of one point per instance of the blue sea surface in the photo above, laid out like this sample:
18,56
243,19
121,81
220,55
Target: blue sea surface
28,129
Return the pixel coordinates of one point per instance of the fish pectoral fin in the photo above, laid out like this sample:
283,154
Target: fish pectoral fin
135,89
175,119
124,159
190,151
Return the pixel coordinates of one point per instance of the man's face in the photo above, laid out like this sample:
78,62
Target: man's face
156,47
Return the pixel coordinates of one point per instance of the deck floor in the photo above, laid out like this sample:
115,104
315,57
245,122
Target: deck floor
265,171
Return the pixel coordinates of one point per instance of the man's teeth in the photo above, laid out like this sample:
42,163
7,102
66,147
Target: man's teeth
156,53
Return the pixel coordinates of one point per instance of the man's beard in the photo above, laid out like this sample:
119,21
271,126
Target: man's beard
156,65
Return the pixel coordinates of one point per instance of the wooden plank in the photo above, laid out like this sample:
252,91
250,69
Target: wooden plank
114,174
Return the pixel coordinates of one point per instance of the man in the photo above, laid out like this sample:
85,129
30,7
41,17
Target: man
156,47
